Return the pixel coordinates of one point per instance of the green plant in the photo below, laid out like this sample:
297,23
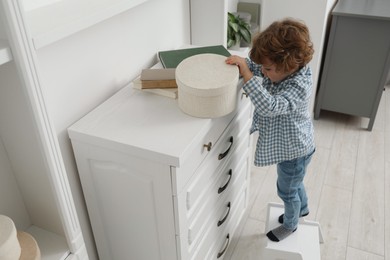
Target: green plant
237,29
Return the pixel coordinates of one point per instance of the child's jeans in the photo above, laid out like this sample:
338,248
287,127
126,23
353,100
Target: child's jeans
291,189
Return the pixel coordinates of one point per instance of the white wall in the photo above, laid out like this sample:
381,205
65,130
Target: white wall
11,201
29,5
81,71
232,5
313,13
23,159
2,30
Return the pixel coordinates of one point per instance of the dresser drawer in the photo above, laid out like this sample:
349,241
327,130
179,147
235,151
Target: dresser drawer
208,142
210,170
211,205
217,239
202,180
223,192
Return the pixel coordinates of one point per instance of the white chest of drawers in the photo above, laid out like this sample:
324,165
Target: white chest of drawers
152,187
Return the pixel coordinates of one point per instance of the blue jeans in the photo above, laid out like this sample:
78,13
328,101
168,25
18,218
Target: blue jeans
291,190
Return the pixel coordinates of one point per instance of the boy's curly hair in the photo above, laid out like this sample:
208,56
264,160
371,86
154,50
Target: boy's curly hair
286,43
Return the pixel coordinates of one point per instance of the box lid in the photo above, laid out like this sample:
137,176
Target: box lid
206,75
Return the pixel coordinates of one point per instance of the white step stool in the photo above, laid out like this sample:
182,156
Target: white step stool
303,244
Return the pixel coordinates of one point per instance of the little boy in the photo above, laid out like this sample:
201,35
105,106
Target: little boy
279,84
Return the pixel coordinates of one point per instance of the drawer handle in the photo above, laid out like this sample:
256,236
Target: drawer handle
223,155
244,94
227,242
220,222
221,189
208,146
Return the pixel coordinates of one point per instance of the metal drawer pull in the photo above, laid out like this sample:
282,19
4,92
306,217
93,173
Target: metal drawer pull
220,222
244,94
208,146
222,155
227,242
221,189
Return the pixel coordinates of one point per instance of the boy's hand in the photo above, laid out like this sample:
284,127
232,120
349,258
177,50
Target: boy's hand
242,66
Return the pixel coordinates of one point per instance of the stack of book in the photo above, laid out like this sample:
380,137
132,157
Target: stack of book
158,81
162,81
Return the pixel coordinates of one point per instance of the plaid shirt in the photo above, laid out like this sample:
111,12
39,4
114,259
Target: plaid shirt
281,115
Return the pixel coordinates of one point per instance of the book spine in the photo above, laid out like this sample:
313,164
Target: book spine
162,61
150,84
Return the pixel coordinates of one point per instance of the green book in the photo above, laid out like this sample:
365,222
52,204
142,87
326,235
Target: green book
170,59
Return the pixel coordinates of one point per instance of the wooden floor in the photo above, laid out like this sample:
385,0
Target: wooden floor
348,185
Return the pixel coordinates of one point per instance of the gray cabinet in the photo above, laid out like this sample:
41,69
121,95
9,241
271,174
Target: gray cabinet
357,59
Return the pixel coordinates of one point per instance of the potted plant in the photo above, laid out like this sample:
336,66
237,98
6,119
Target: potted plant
238,29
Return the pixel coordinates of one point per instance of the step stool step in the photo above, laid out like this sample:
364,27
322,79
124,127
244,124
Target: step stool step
303,244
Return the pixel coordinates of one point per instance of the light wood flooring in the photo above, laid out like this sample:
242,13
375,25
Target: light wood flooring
348,185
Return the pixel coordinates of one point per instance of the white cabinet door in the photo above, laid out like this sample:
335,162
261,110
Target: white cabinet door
129,201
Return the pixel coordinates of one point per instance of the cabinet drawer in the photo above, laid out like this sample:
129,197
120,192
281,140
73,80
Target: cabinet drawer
199,187
210,170
198,152
214,207
217,239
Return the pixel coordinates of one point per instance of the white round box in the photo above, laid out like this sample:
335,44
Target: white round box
9,243
207,86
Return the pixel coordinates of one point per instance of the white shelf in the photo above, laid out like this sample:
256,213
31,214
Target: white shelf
56,21
51,245
5,52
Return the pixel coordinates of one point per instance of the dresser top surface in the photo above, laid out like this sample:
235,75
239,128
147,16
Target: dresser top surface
375,9
145,123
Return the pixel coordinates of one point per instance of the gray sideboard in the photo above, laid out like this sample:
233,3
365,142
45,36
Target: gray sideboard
357,59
